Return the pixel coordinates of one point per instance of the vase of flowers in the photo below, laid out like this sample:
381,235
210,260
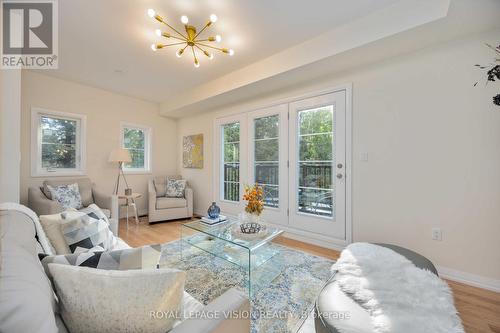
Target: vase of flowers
254,195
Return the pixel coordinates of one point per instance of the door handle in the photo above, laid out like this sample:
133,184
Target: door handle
340,176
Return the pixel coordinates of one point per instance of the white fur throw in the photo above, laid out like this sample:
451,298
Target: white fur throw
399,296
38,227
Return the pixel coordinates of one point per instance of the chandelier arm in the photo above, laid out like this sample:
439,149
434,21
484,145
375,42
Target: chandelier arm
175,44
168,25
202,40
194,53
212,47
202,50
206,25
183,39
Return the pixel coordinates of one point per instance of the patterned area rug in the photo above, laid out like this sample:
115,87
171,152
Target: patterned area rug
280,306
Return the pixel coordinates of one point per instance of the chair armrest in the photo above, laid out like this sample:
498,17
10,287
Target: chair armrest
108,201
151,196
40,204
232,303
188,194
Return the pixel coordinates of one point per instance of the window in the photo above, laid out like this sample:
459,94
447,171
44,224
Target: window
57,143
136,139
231,161
315,138
266,157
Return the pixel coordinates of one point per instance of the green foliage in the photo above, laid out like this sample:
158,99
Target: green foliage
58,142
266,127
318,120
134,141
231,132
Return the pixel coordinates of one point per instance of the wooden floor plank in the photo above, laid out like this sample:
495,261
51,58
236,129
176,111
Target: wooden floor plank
479,309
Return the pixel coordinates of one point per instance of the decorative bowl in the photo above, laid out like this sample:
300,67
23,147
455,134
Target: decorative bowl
250,228
238,233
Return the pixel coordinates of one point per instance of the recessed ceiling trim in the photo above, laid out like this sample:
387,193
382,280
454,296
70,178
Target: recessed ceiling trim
394,19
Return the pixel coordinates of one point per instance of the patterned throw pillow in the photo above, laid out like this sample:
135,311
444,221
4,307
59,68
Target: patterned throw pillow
67,195
176,188
87,231
137,258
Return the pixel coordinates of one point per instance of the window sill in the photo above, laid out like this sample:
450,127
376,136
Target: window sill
137,172
57,173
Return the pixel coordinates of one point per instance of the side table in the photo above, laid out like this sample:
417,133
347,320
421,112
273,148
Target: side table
130,202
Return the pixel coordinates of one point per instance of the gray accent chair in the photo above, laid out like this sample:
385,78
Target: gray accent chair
162,208
27,299
39,198
333,300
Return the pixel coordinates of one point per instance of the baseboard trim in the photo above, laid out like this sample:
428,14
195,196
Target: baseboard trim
469,279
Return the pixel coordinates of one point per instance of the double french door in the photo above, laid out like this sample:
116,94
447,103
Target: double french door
297,152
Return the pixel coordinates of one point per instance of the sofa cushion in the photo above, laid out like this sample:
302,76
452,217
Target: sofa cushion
84,185
67,195
166,203
87,231
95,300
143,257
27,301
160,184
51,224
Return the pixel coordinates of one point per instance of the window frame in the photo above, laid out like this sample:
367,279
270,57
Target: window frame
147,147
229,207
36,144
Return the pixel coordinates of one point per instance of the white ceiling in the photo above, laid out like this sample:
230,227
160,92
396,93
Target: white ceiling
106,43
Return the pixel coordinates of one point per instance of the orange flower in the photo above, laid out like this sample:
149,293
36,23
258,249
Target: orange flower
254,196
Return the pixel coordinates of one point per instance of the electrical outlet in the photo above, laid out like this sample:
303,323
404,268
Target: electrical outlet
437,234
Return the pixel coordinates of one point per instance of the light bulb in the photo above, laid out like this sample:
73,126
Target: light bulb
213,18
231,52
184,19
218,38
179,53
151,13
153,47
211,56
196,64
158,32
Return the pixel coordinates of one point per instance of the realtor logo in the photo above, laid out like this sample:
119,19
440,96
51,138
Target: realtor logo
29,34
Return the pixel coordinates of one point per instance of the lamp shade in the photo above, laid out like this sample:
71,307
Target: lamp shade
120,155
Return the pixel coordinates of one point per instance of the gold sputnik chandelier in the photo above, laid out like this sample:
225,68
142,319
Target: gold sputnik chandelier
191,40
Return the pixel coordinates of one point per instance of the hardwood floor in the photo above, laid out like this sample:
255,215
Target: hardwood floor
478,308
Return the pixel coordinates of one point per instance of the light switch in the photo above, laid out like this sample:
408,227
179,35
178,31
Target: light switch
363,156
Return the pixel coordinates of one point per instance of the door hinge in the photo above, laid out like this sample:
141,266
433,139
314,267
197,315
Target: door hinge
288,115
287,164
288,212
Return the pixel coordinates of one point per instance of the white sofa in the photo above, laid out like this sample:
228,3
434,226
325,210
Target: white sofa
27,302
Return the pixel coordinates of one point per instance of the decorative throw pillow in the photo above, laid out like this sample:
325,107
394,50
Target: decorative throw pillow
87,231
51,224
94,300
67,195
176,188
144,257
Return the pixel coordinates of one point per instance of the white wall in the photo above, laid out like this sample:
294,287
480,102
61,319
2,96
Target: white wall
434,158
10,134
104,110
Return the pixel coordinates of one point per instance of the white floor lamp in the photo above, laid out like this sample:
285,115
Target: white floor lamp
120,156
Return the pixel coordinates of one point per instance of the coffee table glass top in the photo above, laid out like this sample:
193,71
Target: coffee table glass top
224,231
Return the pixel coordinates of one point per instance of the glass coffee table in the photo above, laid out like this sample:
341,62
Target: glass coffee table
257,256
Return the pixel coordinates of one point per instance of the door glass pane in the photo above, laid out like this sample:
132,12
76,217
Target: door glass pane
231,161
316,156
266,157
